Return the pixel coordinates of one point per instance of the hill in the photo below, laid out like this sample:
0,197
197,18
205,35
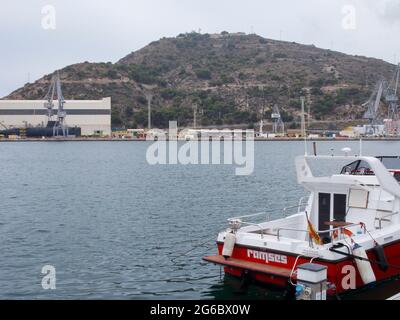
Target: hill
232,78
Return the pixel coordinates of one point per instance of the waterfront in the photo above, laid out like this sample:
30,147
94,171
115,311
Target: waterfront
115,227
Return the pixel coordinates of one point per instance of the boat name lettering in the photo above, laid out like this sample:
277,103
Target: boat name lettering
267,257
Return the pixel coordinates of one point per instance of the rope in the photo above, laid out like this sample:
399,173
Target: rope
363,225
363,259
192,249
292,272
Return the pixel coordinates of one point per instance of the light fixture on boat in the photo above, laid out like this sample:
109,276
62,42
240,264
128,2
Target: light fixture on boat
346,151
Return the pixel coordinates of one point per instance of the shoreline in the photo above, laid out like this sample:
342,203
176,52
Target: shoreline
144,140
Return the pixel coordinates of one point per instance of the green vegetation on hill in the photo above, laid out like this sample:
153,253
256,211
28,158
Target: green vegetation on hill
232,78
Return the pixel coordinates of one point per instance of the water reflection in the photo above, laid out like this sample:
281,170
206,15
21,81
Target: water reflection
230,288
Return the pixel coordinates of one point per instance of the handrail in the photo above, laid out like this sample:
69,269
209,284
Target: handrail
289,229
268,216
256,225
301,204
270,212
250,215
307,231
338,229
292,207
389,215
380,219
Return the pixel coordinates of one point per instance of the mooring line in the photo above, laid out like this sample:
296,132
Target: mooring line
192,249
364,259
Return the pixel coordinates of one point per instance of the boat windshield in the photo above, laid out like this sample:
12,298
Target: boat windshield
358,167
362,168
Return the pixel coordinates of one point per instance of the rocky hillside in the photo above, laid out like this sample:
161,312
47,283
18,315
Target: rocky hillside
232,78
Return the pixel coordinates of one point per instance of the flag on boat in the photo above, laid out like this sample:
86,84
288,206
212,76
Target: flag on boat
313,234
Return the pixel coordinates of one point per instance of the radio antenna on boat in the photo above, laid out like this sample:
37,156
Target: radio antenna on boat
346,151
303,125
361,150
305,146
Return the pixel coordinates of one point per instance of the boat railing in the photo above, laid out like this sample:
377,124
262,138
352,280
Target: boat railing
278,234
242,218
339,229
301,205
262,229
385,218
237,222
268,214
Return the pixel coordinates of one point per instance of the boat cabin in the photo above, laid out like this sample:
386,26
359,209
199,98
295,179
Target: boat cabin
355,195
364,196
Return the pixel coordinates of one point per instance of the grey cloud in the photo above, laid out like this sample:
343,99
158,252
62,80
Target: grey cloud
105,30
391,11
388,11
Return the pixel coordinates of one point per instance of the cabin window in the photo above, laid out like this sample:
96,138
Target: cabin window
358,198
324,210
364,169
339,207
358,167
350,168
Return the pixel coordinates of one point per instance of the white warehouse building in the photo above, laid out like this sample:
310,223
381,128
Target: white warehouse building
92,116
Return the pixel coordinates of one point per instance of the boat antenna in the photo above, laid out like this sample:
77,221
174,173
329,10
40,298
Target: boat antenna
303,125
305,146
361,149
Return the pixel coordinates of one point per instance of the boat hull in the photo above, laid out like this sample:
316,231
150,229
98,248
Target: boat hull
340,272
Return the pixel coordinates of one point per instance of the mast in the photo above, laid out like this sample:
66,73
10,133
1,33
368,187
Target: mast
149,97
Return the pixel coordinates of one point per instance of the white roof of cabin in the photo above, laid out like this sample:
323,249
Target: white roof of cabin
382,176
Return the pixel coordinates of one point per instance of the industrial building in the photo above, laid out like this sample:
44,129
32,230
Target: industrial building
92,116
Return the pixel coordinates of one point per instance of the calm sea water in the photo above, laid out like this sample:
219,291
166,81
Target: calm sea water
115,227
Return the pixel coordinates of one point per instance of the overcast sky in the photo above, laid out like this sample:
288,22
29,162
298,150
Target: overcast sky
101,30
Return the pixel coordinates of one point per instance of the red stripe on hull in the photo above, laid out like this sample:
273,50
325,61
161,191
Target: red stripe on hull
336,273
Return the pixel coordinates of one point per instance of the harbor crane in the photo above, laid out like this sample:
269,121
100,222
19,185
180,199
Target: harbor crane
278,125
393,121
59,125
391,95
387,90
373,104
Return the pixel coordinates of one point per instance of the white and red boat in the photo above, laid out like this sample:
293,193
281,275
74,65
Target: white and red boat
350,223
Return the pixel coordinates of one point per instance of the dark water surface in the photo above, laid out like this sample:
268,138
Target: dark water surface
115,227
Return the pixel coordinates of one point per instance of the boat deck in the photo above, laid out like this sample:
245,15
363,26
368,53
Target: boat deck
250,266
